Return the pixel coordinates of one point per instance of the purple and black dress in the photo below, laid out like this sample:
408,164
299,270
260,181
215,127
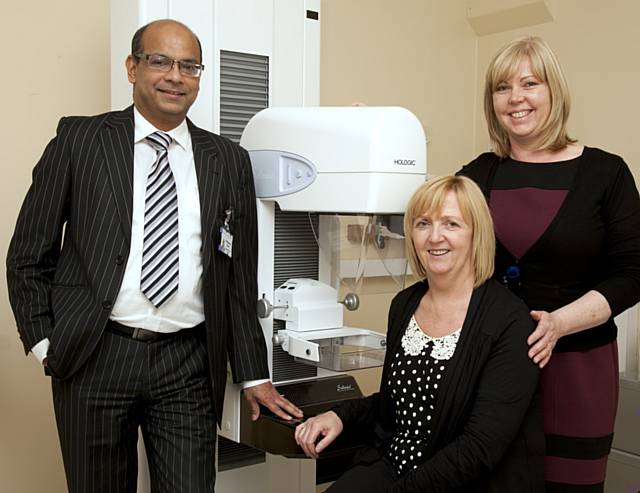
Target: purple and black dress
563,229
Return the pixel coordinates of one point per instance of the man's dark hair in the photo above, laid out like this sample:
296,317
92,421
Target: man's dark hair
136,41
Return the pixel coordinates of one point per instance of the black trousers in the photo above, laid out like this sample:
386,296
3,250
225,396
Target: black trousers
372,478
161,387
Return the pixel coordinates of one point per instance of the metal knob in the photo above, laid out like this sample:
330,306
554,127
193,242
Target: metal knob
351,301
278,340
265,307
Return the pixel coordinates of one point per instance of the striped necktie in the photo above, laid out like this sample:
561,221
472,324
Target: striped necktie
159,279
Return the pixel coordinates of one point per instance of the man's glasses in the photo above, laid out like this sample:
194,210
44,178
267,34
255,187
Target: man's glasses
163,63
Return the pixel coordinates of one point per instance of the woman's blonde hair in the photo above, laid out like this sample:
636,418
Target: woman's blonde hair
475,212
545,66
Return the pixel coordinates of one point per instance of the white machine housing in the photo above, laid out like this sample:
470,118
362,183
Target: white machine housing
337,159
327,160
307,304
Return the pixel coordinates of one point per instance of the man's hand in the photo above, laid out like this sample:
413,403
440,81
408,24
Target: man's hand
267,395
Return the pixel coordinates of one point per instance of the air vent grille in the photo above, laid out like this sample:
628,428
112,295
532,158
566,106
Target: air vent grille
244,90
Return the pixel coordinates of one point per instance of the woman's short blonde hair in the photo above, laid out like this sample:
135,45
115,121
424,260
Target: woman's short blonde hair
545,67
475,212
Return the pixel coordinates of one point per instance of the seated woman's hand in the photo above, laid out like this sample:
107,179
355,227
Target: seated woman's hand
315,434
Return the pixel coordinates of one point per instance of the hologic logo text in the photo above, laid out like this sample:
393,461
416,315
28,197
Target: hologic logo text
404,162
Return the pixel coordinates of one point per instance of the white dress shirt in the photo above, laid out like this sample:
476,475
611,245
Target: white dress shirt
185,308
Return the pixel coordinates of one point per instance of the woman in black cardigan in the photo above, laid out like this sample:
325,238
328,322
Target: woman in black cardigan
567,221
458,409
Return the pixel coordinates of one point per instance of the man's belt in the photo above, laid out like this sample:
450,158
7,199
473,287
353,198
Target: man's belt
145,335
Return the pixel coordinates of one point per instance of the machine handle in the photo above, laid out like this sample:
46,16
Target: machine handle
265,307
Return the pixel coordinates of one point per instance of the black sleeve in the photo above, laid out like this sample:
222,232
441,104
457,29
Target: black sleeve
506,387
621,216
35,246
359,414
246,345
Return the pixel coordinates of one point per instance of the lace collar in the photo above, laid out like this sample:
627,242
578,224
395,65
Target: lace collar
414,342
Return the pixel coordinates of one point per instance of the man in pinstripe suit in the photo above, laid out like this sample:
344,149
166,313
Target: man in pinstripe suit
118,362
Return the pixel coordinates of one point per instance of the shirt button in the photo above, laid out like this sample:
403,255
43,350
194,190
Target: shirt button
119,260
106,304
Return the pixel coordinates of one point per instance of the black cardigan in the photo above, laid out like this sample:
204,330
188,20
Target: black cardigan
487,426
592,243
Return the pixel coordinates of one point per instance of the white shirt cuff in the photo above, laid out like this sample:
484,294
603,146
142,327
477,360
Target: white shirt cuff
252,383
41,349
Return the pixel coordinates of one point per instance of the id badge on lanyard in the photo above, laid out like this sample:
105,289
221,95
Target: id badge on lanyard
226,238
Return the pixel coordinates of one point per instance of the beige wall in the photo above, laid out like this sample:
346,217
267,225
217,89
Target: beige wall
421,54
56,62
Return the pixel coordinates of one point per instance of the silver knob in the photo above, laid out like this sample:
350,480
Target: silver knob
351,301
278,339
265,307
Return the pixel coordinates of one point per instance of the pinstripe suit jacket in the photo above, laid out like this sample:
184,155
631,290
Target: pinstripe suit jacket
64,289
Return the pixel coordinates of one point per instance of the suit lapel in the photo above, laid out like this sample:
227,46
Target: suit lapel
207,162
116,138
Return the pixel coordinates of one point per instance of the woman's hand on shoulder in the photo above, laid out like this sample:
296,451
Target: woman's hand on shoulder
543,339
315,434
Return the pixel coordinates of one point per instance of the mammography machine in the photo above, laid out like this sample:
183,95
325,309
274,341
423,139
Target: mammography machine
320,174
